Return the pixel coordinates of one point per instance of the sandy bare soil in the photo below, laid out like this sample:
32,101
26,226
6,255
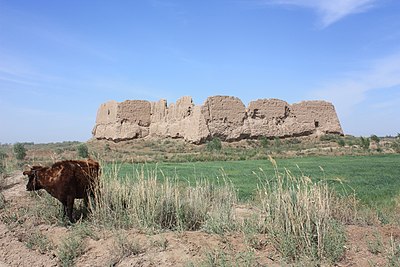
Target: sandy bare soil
366,246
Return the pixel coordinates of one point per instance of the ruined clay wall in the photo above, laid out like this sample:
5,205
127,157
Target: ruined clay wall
225,117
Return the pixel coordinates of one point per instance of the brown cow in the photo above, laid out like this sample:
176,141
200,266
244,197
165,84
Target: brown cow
66,180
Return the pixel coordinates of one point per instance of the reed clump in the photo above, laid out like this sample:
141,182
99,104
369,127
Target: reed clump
146,201
299,217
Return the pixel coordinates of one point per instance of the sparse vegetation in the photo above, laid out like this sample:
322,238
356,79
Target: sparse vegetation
365,142
142,199
375,245
294,217
3,157
375,138
83,151
124,246
39,241
299,217
214,144
396,146
19,151
72,246
264,142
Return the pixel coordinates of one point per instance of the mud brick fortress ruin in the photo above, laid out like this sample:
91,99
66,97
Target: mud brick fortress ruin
225,117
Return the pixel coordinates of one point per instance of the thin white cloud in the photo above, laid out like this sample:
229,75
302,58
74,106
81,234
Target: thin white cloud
352,90
354,97
330,11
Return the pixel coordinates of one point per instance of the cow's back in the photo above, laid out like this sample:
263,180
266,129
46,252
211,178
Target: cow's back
77,177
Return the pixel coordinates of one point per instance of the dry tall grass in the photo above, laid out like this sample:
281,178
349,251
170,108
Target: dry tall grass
299,217
150,202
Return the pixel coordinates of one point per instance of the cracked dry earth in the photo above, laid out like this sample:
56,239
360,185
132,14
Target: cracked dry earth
366,245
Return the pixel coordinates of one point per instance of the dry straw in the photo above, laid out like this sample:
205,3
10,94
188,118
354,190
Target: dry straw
145,200
299,216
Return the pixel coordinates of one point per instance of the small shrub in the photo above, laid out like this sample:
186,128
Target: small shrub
396,146
124,247
365,142
3,157
46,209
39,241
2,199
334,242
214,145
71,248
83,151
2,184
277,142
328,137
264,142
394,253
107,148
341,142
375,138
19,151
375,246
222,258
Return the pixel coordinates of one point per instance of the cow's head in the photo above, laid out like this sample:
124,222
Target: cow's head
33,175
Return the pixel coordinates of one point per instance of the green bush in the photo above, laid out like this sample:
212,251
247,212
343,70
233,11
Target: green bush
3,156
214,145
277,142
20,151
83,151
375,138
341,142
396,146
365,142
71,248
264,142
328,137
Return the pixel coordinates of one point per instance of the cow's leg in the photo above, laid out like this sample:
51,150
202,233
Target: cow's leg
86,201
64,207
70,207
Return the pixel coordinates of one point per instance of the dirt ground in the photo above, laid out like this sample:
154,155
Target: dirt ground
366,245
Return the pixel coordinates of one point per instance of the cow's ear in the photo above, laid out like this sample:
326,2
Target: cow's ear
26,172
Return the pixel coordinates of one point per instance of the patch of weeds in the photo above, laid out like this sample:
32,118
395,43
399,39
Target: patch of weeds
246,258
2,201
221,258
38,241
394,253
375,246
299,218
214,144
161,243
83,230
215,258
251,231
71,248
46,209
334,242
2,184
124,247
14,217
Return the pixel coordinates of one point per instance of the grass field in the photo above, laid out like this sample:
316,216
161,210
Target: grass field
375,179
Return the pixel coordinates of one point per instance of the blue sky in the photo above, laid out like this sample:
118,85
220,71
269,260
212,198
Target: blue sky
59,60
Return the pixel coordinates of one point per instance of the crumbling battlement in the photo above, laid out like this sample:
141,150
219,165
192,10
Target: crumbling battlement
225,117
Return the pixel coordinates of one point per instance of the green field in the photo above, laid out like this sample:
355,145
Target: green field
375,179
